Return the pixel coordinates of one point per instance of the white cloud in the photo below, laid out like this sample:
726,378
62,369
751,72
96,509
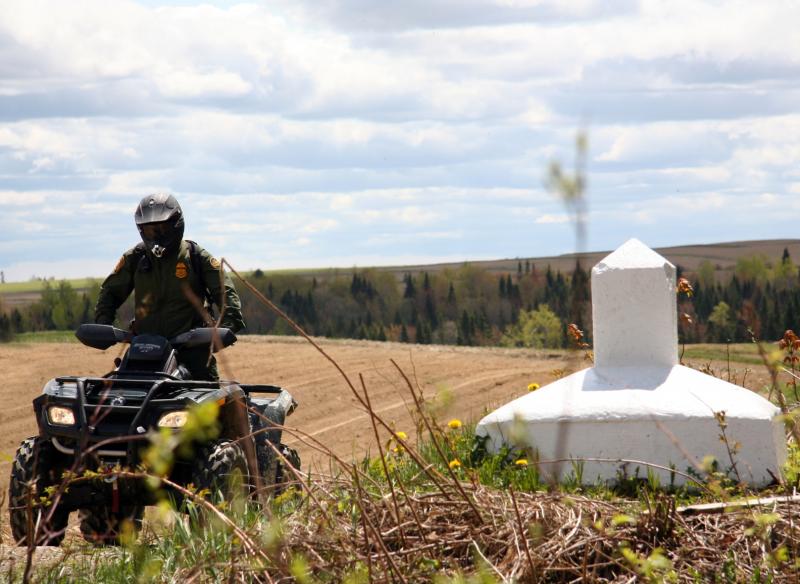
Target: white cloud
768,199
328,130
103,208
319,226
548,218
411,215
188,84
340,202
17,199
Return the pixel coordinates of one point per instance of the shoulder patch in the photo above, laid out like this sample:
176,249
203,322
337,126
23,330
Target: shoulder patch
214,263
181,270
120,265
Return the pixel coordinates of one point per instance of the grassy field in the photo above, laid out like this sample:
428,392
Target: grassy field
429,506
432,511
746,353
46,337
38,285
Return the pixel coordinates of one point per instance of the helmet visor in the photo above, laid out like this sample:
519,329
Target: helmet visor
156,231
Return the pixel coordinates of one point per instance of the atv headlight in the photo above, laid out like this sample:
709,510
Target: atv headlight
61,416
173,419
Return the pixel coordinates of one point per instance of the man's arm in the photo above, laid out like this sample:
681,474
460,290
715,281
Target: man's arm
232,317
115,289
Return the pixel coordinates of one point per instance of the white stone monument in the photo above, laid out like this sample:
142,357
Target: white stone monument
637,403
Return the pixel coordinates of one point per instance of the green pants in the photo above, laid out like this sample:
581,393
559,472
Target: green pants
197,362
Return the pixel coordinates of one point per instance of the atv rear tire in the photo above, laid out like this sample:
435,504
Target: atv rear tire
284,476
31,473
101,526
222,471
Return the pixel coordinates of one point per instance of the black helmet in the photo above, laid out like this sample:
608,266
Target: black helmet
159,219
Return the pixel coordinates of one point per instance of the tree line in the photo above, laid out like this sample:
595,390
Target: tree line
468,305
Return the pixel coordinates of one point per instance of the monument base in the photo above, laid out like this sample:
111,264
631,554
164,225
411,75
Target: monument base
668,417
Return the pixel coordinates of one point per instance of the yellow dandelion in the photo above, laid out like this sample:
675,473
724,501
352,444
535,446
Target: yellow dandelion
521,462
454,424
533,386
454,464
402,435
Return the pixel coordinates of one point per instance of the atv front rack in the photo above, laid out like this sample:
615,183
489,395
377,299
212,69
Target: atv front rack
135,405
87,414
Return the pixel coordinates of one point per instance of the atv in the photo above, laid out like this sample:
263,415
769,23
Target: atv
94,431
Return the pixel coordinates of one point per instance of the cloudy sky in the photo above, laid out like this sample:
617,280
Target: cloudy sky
301,133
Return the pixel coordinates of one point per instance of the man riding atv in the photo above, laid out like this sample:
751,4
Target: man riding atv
175,281
94,431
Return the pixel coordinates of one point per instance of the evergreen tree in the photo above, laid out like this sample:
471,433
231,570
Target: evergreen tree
430,312
410,291
466,329
6,333
579,296
16,321
424,336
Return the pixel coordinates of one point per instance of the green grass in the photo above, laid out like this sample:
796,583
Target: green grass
746,353
209,551
508,468
46,337
37,285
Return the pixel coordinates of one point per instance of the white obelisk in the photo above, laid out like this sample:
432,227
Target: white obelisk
637,405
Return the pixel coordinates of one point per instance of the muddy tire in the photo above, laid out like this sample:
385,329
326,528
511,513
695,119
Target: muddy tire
221,470
32,472
101,526
284,476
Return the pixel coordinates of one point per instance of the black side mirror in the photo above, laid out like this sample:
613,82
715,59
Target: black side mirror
101,336
203,337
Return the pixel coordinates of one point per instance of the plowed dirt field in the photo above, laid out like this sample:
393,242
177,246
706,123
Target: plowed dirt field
477,379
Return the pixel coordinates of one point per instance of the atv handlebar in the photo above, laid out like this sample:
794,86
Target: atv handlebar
219,338
103,336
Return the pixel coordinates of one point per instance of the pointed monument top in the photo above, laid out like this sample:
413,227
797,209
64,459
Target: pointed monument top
633,309
632,254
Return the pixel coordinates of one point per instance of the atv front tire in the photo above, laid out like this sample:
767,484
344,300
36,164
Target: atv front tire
101,526
32,472
221,470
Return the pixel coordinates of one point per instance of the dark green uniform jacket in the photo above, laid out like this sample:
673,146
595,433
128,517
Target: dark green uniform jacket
167,291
